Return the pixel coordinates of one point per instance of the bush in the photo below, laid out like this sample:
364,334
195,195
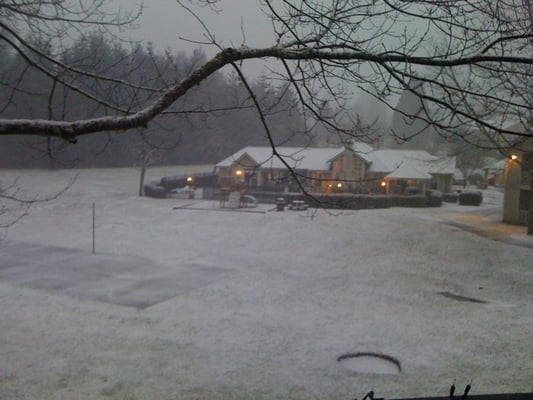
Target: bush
449,197
413,191
470,198
428,198
434,198
409,201
350,201
155,191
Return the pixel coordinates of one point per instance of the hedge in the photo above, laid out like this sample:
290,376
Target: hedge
152,190
354,201
470,198
450,197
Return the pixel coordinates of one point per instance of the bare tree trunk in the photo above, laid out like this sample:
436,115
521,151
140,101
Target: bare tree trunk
527,165
141,181
147,158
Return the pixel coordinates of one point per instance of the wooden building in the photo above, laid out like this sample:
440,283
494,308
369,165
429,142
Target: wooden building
357,169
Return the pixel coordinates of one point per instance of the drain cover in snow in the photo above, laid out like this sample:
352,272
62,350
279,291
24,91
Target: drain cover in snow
370,363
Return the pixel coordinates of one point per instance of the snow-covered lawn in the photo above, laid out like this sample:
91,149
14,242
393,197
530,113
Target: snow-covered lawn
300,289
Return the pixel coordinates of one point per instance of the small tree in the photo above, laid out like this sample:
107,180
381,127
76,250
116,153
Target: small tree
147,155
469,158
15,204
12,206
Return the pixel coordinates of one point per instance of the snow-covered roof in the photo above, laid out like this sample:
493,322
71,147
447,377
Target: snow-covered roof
493,164
308,158
500,164
363,150
408,171
410,164
399,164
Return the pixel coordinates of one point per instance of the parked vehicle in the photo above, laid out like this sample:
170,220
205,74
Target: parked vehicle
298,205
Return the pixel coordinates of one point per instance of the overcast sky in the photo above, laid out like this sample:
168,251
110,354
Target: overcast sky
166,24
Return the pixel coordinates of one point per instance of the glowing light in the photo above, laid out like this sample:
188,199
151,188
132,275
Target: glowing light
189,179
383,184
238,172
339,185
514,157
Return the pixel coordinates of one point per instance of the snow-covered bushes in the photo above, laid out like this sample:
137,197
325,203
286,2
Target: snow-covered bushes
449,197
470,198
153,190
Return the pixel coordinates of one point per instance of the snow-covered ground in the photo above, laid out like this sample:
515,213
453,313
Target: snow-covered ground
299,289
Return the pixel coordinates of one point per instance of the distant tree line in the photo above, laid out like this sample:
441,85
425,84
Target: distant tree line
209,123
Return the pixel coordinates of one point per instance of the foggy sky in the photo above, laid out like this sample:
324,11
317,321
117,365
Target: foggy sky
233,23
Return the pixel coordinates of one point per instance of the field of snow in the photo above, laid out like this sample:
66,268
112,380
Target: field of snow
296,290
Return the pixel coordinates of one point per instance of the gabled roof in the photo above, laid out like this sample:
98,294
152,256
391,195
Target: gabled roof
408,171
398,164
363,150
309,158
410,164
360,149
490,163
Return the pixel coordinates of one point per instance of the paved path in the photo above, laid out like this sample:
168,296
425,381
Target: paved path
487,223
129,281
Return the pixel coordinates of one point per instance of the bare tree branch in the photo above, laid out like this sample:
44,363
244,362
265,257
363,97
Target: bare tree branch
322,47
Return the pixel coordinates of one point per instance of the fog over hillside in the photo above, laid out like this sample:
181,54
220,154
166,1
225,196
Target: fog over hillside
408,128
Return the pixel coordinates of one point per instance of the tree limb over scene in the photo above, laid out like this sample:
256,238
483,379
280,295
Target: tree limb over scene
474,61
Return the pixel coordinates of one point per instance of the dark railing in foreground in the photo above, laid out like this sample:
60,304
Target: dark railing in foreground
506,396
460,396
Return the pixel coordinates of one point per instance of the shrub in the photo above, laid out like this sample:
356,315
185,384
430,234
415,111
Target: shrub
155,191
470,198
408,201
449,197
413,191
429,198
434,198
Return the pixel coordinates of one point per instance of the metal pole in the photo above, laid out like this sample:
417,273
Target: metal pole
94,226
